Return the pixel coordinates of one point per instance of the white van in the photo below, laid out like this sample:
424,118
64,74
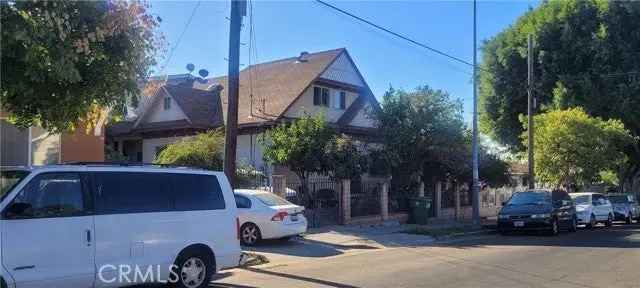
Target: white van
113,226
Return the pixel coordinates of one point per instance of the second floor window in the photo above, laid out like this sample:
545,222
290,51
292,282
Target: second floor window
321,96
167,103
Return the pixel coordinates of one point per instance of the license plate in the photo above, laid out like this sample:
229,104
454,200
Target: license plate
294,217
518,224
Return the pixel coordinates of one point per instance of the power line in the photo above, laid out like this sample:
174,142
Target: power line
184,30
425,46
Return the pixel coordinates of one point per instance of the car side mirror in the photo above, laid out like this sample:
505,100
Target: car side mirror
16,209
504,203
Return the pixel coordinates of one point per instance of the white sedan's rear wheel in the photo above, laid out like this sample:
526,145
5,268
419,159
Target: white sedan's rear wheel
250,234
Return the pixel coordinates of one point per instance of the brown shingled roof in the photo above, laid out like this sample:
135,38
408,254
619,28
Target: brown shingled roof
202,107
277,83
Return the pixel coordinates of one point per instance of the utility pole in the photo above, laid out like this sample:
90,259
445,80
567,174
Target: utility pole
530,110
476,181
231,135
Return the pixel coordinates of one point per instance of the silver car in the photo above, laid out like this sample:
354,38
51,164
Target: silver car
625,207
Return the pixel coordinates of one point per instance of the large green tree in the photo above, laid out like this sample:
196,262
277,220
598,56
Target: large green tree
574,149
300,145
424,135
586,54
63,60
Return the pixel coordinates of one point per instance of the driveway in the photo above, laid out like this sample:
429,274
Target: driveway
604,257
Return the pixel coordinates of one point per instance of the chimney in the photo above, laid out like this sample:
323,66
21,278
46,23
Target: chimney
304,56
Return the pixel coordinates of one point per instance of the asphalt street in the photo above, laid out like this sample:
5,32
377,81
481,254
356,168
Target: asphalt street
604,257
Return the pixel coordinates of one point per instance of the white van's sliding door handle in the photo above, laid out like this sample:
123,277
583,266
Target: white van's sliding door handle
88,232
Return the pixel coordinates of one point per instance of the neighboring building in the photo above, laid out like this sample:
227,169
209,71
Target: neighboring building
270,93
519,174
36,146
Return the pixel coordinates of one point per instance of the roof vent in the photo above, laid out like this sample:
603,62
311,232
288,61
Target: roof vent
304,56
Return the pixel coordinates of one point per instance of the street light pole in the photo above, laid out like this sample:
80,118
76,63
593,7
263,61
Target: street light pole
476,182
530,111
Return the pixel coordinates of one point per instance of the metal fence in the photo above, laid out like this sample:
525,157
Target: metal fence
321,200
365,198
398,202
495,196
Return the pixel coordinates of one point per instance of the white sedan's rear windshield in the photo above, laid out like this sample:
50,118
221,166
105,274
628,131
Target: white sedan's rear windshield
271,199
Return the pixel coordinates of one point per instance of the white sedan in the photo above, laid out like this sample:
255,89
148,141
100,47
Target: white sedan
264,215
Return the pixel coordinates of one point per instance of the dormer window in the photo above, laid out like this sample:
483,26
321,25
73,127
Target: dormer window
339,102
321,96
167,103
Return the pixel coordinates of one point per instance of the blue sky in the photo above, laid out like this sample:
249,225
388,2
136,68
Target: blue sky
285,28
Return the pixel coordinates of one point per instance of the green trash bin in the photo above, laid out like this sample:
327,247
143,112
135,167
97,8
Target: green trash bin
420,210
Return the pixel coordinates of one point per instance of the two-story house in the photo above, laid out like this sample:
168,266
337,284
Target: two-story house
271,93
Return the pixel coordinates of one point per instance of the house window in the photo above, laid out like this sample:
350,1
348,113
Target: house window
342,100
167,103
321,96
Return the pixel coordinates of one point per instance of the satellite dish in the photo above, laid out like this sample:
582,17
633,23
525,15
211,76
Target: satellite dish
203,73
191,67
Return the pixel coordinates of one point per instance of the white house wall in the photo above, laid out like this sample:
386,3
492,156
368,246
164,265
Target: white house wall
342,70
249,150
45,147
304,105
149,147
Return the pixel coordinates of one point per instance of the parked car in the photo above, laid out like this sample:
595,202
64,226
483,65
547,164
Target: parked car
625,207
264,215
86,225
593,208
538,210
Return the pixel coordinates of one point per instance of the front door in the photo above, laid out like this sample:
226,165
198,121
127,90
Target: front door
48,242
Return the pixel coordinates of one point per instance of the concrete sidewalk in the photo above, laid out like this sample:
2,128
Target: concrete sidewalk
334,241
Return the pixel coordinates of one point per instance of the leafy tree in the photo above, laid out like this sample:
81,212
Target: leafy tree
573,148
419,129
586,55
205,150
63,60
344,159
301,146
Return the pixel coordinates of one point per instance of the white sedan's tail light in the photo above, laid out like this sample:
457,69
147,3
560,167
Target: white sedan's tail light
279,216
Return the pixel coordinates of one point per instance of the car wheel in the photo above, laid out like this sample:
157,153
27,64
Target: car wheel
193,268
555,229
592,222
609,221
250,234
574,225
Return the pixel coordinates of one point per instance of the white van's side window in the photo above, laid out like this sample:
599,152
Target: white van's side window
197,192
142,192
131,192
49,195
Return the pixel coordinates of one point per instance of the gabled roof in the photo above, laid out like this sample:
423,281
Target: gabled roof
202,107
276,85
267,90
